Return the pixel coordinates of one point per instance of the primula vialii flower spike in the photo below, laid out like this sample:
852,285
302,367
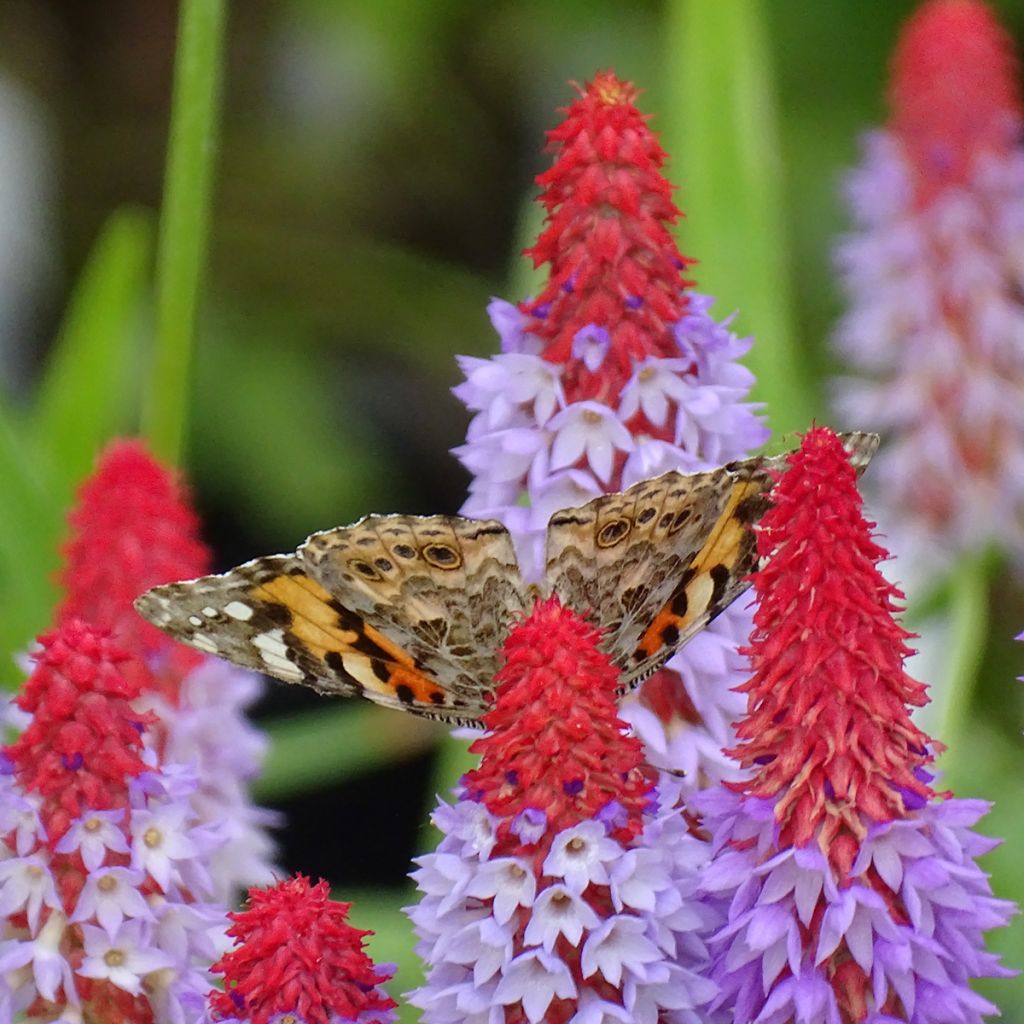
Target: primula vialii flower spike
850,887
614,374
297,960
554,740
954,93
561,891
935,283
828,733
105,898
133,527
85,738
613,265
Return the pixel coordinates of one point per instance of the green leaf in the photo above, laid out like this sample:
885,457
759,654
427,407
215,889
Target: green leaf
393,939
721,126
184,220
315,748
28,525
87,392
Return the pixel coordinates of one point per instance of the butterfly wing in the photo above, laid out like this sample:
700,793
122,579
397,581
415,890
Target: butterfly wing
655,563
444,589
412,620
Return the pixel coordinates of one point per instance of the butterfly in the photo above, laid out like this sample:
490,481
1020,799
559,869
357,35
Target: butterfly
411,611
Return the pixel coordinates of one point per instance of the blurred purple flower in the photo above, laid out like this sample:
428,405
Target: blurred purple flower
934,276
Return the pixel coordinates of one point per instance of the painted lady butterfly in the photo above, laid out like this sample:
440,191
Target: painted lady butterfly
411,611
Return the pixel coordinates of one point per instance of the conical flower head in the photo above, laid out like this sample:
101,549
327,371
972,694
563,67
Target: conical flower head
850,888
84,740
954,93
828,733
555,744
297,959
132,528
560,891
613,264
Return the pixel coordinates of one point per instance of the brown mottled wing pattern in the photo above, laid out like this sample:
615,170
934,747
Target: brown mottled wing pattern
657,562
441,588
408,612
411,612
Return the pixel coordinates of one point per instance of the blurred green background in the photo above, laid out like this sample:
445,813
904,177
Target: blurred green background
371,188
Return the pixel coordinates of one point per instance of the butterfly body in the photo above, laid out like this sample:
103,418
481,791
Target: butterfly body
411,612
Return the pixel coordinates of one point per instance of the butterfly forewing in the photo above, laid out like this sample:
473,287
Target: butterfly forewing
656,563
272,616
443,589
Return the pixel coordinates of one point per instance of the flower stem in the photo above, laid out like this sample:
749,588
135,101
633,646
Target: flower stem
723,125
185,218
968,612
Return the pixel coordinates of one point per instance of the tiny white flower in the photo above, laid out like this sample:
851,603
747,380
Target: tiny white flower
535,978
111,895
26,884
509,881
92,835
50,970
579,855
19,813
654,385
443,876
590,345
620,942
588,430
559,911
159,839
483,944
123,960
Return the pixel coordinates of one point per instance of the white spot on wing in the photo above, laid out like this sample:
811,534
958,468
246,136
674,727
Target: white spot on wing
195,620
274,653
238,610
204,643
209,611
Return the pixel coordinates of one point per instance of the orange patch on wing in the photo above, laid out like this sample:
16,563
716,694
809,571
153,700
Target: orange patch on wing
724,544
317,626
722,548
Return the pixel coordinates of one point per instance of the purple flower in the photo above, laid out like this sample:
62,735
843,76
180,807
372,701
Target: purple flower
560,891
208,728
849,886
934,278
114,904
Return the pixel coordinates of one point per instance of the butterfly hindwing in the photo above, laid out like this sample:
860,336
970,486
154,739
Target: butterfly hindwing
668,555
443,589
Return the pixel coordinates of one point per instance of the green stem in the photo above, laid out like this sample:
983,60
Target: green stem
968,635
722,128
184,219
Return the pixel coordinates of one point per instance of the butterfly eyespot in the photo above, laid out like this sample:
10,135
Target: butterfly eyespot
611,533
404,551
367,571
647,515
665,521
383,564
442,556
680,519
